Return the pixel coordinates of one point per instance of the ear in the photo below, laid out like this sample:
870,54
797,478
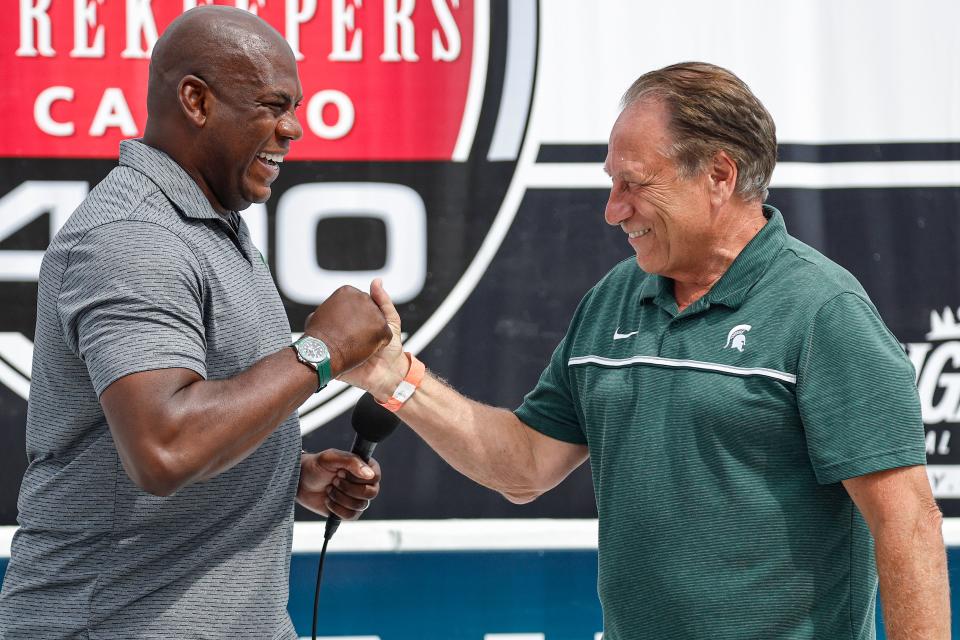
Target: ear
722,175
195,97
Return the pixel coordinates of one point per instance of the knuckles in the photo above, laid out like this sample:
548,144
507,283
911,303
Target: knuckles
348,290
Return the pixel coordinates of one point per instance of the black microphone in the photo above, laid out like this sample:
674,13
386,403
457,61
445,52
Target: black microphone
372,423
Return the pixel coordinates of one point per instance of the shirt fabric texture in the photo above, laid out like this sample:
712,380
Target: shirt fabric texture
718,437
146,275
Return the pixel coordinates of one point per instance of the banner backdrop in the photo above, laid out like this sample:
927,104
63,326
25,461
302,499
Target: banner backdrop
454,148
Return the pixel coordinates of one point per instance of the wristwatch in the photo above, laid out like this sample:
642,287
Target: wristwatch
314,353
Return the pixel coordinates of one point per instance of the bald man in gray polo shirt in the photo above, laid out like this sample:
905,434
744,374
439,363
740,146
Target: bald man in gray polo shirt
162,435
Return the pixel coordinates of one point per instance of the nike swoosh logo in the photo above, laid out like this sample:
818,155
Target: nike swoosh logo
620,336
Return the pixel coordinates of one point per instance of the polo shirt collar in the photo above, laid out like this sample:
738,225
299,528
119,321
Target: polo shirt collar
175,183
658,289
742,274
746,269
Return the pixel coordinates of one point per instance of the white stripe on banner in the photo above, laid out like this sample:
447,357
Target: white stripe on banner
479,535
685,364
517,81
14,380
478,80
17,349
787,175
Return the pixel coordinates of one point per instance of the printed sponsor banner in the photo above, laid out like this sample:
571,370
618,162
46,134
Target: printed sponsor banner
381,81
453,147
410,142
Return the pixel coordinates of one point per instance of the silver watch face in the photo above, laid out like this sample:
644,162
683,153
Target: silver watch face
312,350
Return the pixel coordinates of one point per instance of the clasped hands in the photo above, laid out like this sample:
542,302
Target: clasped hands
363,335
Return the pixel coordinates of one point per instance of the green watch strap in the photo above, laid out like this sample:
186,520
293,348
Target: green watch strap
324,374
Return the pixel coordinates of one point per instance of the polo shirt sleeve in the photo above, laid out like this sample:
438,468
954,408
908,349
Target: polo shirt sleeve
856,393
131,301
550,408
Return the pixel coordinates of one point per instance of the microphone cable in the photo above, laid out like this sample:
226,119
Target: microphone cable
372,423
316,591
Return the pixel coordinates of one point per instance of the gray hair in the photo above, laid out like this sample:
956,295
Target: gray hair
711,110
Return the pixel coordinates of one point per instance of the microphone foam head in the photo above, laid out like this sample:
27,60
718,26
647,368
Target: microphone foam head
371,421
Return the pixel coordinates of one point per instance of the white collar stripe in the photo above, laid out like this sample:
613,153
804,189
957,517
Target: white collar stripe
685,364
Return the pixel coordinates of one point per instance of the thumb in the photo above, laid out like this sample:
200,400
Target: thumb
360,469
380,296
335,460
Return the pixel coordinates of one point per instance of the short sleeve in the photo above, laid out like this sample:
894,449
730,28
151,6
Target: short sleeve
550,407
131,300
857,394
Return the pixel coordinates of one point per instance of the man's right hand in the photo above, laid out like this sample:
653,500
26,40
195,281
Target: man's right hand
351,325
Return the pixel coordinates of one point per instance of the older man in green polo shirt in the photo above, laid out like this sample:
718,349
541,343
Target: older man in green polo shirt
752,426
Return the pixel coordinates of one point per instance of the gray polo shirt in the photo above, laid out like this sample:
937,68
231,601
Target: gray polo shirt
146,275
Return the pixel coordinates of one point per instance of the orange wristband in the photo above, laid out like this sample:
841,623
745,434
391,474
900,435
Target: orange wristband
408,385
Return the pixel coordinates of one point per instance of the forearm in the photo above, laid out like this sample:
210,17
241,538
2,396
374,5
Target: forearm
488,445
224,421
172,428
208,426
914,588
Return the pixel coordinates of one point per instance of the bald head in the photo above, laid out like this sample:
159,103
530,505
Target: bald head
223,46
221,102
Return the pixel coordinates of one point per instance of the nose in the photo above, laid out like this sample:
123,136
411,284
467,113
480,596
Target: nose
618,209
289,126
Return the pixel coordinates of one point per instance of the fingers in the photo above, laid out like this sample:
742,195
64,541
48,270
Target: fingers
349,496
335,460
335,482
350,500
332,502
319,470
342,512
351,490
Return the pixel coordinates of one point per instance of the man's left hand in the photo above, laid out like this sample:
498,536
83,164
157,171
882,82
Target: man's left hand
336,482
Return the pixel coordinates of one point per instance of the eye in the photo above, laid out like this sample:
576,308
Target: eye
276,107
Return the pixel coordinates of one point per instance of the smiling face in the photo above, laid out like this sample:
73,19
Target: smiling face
249,127
667,218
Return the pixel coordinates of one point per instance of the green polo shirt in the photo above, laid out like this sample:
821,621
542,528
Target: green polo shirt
719,436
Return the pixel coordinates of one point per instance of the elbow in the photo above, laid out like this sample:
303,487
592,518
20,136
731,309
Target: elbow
155,472
160,487
521,488
921,525
152,455
521,497
932,518
522,493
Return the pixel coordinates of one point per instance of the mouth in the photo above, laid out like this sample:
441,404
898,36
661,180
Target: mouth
268,165
272,159
639,233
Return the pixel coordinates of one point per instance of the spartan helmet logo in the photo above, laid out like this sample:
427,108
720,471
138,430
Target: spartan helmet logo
737,338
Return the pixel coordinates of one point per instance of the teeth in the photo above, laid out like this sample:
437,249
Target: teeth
272,157
637,234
